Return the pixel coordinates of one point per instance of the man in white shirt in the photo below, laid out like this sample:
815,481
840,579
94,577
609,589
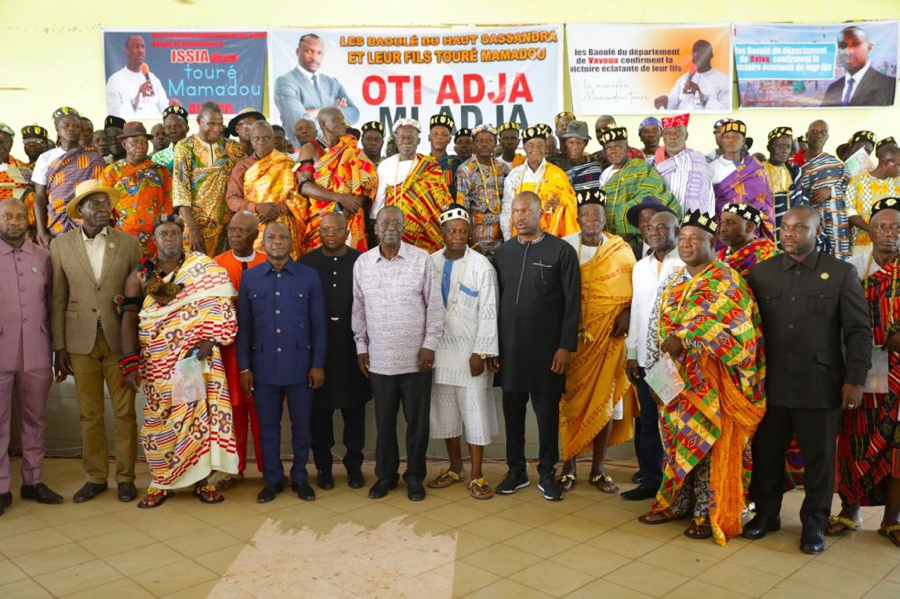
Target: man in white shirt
702,87
660,234
304,90
133,92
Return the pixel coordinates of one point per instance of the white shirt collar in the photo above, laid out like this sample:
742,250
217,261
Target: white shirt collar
856,78
309,75
100,234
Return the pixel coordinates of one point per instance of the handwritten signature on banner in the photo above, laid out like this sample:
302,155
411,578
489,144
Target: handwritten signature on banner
610,91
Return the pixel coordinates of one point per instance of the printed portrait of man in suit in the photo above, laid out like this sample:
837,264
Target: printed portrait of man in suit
861,84
301,92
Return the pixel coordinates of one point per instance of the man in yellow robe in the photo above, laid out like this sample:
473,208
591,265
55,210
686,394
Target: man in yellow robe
595,411
546,180
264,183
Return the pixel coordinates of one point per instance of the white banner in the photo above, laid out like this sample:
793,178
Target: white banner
477,75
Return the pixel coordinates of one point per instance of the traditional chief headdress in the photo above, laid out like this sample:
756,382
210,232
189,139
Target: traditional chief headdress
736,126
533,133
35,131
504,126
614,134
720,123
176,110
545,128
676,121
114,121
564,115
408,123
163,219
483,128
464,132
372,126
863,136
650,121
801,139
590,196
745,211
885,204
62,112
441,120
780,132
885,141
4,128
701,220
453,211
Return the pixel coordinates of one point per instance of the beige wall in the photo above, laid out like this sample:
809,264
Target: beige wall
53,56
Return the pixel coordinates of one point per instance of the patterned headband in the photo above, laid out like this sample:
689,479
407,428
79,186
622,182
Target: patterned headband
698,219
441,120
407,123
736,126
780,132
451,212
590,196
564,115
745,211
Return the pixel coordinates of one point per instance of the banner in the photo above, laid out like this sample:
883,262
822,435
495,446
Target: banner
799,66
644,69
476,75
146,71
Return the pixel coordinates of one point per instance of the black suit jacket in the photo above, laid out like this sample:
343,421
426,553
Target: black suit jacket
809,310
874,89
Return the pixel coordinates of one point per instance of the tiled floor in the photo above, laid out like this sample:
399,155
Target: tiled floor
588,545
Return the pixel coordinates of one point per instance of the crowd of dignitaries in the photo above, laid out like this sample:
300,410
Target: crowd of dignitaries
733,313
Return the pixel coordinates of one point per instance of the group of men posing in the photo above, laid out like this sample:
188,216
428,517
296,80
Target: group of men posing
560,282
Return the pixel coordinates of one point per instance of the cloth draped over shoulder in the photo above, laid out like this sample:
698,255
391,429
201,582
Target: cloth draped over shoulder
342,169
63,174
596,378
145,192
185,442
723,367
687,176
758,250
554,184
421,197
627,187
271,179
826,171
748,184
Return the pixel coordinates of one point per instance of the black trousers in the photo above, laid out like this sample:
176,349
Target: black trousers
412,391
354,437
646,438
546,409
816,432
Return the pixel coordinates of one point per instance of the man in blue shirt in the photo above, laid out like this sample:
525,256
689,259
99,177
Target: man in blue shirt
281,353
303,91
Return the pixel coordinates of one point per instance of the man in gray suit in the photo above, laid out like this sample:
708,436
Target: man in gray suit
90,266
302,91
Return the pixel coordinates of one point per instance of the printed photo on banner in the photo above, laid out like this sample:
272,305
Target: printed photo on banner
641,69
801,66
146,71
475,75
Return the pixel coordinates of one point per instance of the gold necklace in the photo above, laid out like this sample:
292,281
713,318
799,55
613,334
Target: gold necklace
493,204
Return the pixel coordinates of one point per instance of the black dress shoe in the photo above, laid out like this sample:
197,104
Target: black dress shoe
40,493
5,501
126,492
269,492
760,525
89,491
324,480
415,490
304,491
381,488
812,540
355,479
638,493
637,478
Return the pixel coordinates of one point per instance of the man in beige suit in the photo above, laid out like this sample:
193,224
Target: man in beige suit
90,266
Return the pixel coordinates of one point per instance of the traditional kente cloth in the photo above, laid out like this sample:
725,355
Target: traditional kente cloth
449,164
868,450
421,197
687,177
271,180
596,378
165,157
784,183
145,191
548,181
627,187
723,368
342,169
863,190
63,174
200,180
15,176
748,256
480,189
826,171
185,442
747,184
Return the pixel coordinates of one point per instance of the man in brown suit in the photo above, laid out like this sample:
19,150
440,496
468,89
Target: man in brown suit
90,266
